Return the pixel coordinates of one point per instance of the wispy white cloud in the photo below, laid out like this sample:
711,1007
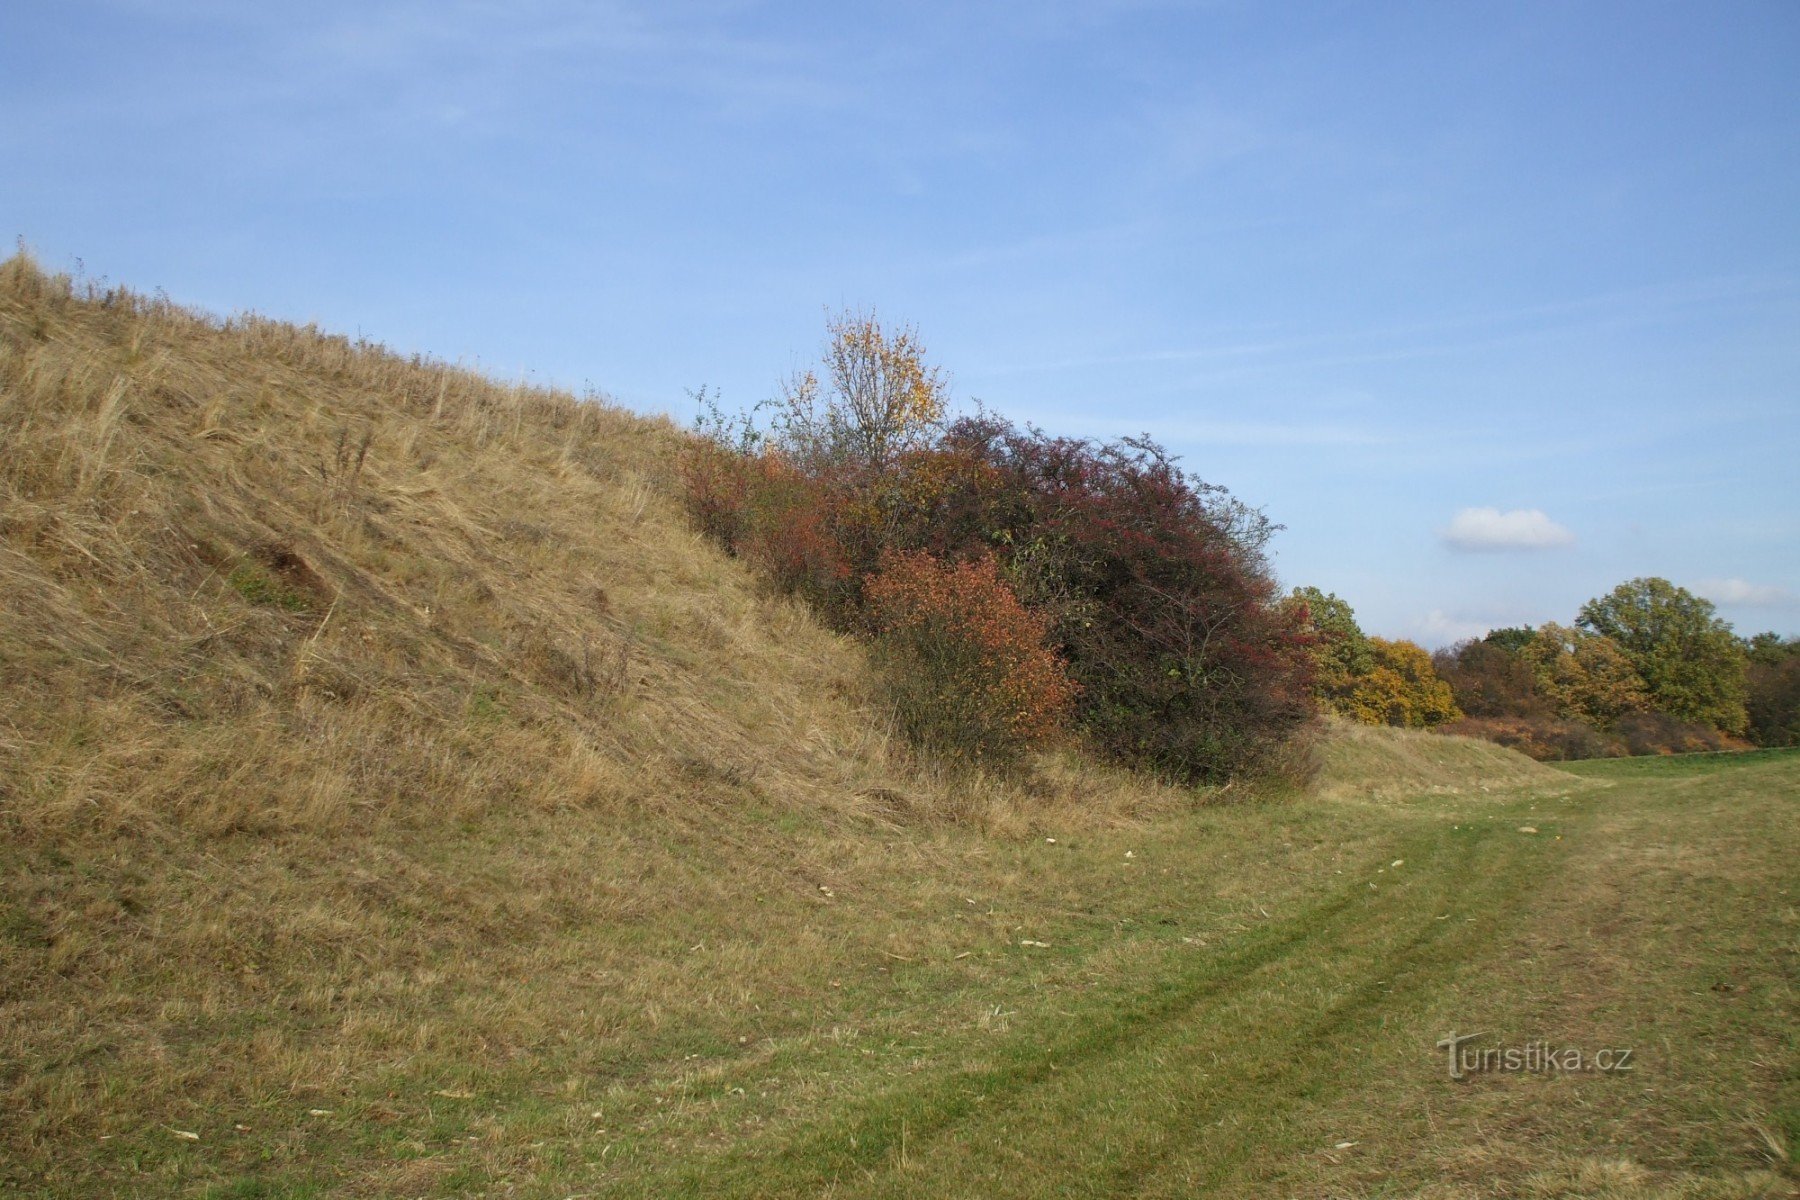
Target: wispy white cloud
1748,595
1516,529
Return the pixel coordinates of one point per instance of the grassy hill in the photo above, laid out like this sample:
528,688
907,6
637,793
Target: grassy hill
396,798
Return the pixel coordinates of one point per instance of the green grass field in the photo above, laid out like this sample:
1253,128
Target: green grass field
1270,1029
1243,1001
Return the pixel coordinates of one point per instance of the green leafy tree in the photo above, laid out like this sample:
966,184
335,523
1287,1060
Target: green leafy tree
1691,663
1770,649
1511,640
1342,653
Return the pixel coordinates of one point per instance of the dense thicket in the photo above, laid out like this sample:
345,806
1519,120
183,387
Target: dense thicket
1773,688
1156,586
1149,586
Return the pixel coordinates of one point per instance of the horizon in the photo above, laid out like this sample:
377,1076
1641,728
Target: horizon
1492,311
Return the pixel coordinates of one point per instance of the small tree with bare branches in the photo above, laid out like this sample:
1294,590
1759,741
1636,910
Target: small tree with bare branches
878,397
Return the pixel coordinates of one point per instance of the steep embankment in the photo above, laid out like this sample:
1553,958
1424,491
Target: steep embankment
356,710
259,577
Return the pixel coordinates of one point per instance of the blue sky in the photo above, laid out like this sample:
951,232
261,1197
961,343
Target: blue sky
1493,306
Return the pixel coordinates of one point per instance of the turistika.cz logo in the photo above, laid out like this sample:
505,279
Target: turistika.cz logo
1531,1058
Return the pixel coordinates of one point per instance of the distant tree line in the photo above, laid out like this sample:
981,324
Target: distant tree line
1364,678
1648,668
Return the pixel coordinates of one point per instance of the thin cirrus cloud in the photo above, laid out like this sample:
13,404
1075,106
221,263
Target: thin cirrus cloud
1749,595
1489,529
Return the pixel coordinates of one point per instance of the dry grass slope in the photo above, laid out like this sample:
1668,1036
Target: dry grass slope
258,576
359,715
1378,763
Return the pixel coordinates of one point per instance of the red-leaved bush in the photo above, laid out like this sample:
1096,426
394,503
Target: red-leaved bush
715,483
1012,577
1154,584
1543,737
967,665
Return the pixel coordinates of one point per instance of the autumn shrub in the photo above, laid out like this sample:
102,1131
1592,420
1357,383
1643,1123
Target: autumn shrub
1661,733
1567,739
1154,583
791,534
1555,739
1151,587
760,506
716,486
967,666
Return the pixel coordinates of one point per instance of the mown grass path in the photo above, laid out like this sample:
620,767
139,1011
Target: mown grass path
1242,1067
1186,1063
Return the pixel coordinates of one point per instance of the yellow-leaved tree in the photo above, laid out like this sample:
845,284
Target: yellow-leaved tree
878,398
1401,688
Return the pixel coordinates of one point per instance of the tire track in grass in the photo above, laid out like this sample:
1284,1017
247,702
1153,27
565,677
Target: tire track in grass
1317,1057
1274,1058
1102,1080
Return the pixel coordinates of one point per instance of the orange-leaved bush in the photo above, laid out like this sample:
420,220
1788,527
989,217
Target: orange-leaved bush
762,508
969,668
